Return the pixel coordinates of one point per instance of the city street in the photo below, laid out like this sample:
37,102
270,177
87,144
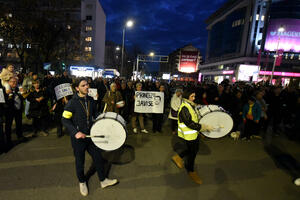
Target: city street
43,168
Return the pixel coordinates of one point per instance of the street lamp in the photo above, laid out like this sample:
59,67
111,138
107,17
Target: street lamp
129,24
118,48
151,54
280,30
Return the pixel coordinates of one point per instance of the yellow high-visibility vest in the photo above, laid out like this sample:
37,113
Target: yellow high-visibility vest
184,131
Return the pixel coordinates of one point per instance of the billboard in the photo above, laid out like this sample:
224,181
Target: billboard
289,38
248,72
188,61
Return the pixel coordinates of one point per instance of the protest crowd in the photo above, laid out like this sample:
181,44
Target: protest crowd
256,108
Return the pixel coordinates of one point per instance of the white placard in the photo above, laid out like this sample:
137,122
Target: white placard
2,99
93,93
63,90
149,102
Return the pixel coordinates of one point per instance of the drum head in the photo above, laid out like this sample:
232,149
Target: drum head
112,132
220,121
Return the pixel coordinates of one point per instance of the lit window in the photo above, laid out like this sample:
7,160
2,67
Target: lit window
28,46
239,22
257,17
88,28
10,46
88,48
88,39
1,39
68,27
262,18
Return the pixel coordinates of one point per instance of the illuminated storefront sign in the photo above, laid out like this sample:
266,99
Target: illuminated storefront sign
248,72
289,74
289,38
188,61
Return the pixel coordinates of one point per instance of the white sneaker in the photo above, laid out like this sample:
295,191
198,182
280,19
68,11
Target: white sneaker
135,130
144,131
83,189
108,182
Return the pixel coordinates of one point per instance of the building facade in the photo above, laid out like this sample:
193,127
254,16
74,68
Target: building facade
93,30
237,35
175,66
76,31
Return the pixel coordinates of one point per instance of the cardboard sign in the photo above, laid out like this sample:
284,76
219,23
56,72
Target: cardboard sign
63,90
93,93
2,99
149,102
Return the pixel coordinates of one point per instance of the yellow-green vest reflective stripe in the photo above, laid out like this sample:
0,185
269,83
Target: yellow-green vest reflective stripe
184,131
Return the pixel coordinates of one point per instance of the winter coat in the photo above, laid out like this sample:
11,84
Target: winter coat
38,109
75,116
108,98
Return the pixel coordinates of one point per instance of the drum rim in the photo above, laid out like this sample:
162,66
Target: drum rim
226,133
117,114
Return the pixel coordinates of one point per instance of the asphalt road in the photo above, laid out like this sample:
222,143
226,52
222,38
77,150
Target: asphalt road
43,169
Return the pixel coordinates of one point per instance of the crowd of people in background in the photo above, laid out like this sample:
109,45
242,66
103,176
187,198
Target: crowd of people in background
256,108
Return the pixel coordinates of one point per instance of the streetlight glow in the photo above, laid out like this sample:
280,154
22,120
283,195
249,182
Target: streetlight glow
118,48
129,23
151,54
281,29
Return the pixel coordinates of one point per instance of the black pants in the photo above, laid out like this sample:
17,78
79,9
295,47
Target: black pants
251,128
39,124
1,135
189,152
174,125
157,122
79,148
10,116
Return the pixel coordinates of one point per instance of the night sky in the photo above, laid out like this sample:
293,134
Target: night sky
161,26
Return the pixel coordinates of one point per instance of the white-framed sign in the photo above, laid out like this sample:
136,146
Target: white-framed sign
63,90
149,102
93,93
2,99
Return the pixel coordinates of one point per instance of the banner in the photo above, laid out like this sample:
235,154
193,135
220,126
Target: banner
2,99
93,93
63,90
258,58
188,61
279,58
149,102
288,40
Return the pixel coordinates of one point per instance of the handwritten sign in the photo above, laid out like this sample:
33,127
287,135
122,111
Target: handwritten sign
149,102
93,93
63,90
2,99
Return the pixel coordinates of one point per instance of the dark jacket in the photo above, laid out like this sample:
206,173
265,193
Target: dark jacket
38,109
78,121
185,117
256,111
10,104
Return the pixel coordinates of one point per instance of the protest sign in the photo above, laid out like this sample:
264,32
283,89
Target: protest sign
93,93
2,99
149,102
63,90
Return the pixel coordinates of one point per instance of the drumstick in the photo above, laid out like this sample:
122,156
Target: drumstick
99,136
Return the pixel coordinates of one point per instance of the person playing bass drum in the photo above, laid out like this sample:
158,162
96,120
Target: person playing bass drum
78,117
188,131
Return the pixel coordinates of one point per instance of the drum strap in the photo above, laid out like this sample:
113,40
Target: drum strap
87,110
